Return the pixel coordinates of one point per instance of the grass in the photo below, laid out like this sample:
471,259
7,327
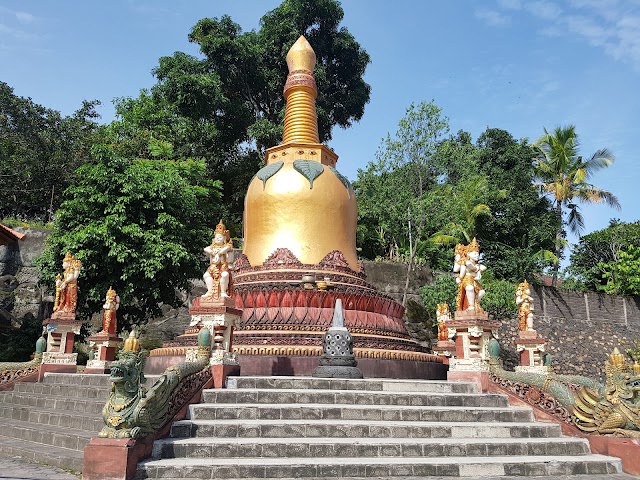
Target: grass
14,222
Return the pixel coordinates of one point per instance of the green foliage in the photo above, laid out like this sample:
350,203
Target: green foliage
18,345
137,226
623,275
600,248
563,174
499,301
517,239
227,105
39,150
443,290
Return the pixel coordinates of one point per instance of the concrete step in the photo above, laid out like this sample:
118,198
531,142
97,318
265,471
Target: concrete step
377,467
342,397
360,429
62,418
61,390
38,453
57,436
83,379
59,403
314,411
365,447
368,384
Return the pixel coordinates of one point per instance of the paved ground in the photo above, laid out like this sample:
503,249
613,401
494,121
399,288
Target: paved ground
18,469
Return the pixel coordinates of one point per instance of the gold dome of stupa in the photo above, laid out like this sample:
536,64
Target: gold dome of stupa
299,201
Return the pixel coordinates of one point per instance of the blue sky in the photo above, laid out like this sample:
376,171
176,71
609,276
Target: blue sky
512,64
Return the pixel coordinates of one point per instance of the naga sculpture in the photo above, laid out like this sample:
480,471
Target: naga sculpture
614,409
132,410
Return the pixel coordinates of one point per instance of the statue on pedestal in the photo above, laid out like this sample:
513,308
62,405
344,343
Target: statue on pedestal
524,301
109,320
218,275
443,316
67,286
469,272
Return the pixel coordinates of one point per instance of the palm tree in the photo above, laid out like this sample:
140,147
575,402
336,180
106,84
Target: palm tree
564,175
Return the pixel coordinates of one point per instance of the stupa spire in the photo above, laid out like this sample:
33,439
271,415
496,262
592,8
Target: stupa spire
300,92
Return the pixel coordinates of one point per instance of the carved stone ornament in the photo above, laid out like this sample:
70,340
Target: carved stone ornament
451,332
475,331
334,258
282,256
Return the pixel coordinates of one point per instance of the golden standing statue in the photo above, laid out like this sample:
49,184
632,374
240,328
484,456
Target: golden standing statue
469,272
218,275
110,307
67,286
443,315
524,301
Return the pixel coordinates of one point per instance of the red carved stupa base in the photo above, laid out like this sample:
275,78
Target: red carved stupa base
287,307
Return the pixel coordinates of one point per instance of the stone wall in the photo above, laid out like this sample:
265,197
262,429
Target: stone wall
581,329
20,294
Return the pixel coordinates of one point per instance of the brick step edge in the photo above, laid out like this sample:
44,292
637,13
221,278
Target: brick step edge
33,452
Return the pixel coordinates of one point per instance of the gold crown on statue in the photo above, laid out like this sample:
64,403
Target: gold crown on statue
68,257
473,246
221,229
616,359
111,294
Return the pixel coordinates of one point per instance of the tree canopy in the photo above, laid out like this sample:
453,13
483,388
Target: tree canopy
444,190
137,226
39,152
227,106
564,175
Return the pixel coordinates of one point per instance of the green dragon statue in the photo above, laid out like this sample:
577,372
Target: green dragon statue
132,410
615,409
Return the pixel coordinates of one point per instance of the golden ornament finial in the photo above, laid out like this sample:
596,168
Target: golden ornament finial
300,92
301,56
616,359
111,294
474,246
222,229
132,344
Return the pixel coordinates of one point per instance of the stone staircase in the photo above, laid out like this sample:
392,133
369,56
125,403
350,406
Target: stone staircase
286,427
52,421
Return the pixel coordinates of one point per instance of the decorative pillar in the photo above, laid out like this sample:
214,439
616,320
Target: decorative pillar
471,328
220,318
533,358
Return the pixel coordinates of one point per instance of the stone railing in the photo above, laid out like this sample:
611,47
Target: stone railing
12,372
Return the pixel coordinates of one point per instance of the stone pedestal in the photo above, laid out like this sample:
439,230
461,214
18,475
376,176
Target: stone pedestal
338,360
531,349
221,318
104,345
445,348
59,356
471,333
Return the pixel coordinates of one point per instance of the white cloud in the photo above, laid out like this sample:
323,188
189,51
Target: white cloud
613,25
492,17
25,17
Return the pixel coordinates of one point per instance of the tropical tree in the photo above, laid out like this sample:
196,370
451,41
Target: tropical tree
564,175
226,105
39,151
138,226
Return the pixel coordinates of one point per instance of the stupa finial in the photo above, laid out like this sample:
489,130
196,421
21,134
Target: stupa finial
300,92
301,56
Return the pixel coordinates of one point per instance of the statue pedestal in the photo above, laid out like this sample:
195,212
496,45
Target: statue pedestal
59,357
104,344
445,348
531,349
471,333
220,317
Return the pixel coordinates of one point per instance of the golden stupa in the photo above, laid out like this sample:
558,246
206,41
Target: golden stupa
299,201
